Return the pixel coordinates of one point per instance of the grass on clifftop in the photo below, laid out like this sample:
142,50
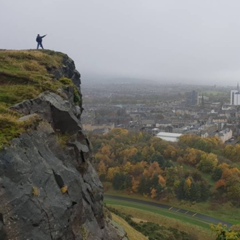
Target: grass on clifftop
24,75
11,127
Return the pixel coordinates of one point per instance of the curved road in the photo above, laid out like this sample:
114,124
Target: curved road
190,214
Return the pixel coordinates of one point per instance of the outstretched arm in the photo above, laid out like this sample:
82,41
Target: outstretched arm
43,36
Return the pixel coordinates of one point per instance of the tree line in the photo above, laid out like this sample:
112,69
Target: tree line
194,169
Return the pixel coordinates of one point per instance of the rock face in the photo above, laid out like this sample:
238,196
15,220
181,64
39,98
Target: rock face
48,187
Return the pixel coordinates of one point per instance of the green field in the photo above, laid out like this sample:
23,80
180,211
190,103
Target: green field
198,229
225,212
162,212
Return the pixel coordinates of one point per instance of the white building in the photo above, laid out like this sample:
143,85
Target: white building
170,137
235,97
225,135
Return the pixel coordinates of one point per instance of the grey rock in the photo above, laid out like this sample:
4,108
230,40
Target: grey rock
50,190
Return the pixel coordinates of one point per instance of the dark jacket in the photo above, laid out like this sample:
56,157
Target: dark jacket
39,38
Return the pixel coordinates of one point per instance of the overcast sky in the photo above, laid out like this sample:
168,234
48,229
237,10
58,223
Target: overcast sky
193,41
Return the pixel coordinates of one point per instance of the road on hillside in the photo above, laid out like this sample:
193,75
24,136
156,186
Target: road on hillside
190,214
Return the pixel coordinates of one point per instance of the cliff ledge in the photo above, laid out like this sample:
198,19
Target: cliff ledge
48,186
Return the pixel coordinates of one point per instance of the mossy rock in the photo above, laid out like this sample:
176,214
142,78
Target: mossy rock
23,76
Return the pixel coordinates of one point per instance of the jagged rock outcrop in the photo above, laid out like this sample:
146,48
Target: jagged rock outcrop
48,186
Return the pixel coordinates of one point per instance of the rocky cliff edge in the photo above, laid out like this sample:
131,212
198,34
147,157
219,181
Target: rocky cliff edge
48,186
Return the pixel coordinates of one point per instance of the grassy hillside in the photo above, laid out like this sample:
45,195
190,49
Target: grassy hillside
139,215
152,224
24,75
131,232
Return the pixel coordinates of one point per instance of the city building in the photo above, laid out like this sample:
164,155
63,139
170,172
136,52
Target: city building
170,137
235,97
225,135
192,98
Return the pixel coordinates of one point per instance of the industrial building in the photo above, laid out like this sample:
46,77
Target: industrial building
170,137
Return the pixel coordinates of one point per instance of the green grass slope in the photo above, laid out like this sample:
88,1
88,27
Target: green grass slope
24,75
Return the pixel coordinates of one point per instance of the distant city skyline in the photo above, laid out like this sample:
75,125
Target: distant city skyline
172,41
99,78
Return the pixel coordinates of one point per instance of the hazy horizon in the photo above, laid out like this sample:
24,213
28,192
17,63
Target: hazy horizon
106,79
192,42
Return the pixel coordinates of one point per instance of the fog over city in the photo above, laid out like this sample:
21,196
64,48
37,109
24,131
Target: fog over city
170,41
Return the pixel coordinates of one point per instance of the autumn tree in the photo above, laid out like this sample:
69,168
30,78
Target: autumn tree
233,190
222,232
111,173
232,152
192,156
157,157
102,170
208,162
122,181
153,170
129,153
147,185
217,173
205,144
170,152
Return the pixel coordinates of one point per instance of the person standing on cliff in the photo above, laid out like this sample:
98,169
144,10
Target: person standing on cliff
39,41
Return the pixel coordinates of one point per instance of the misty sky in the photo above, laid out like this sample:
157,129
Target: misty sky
193,41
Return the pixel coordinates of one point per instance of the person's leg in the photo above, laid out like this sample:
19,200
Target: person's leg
38,45
41,46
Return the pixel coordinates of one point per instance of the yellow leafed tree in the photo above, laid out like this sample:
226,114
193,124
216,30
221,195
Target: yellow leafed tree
111,173
153,193
161,181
